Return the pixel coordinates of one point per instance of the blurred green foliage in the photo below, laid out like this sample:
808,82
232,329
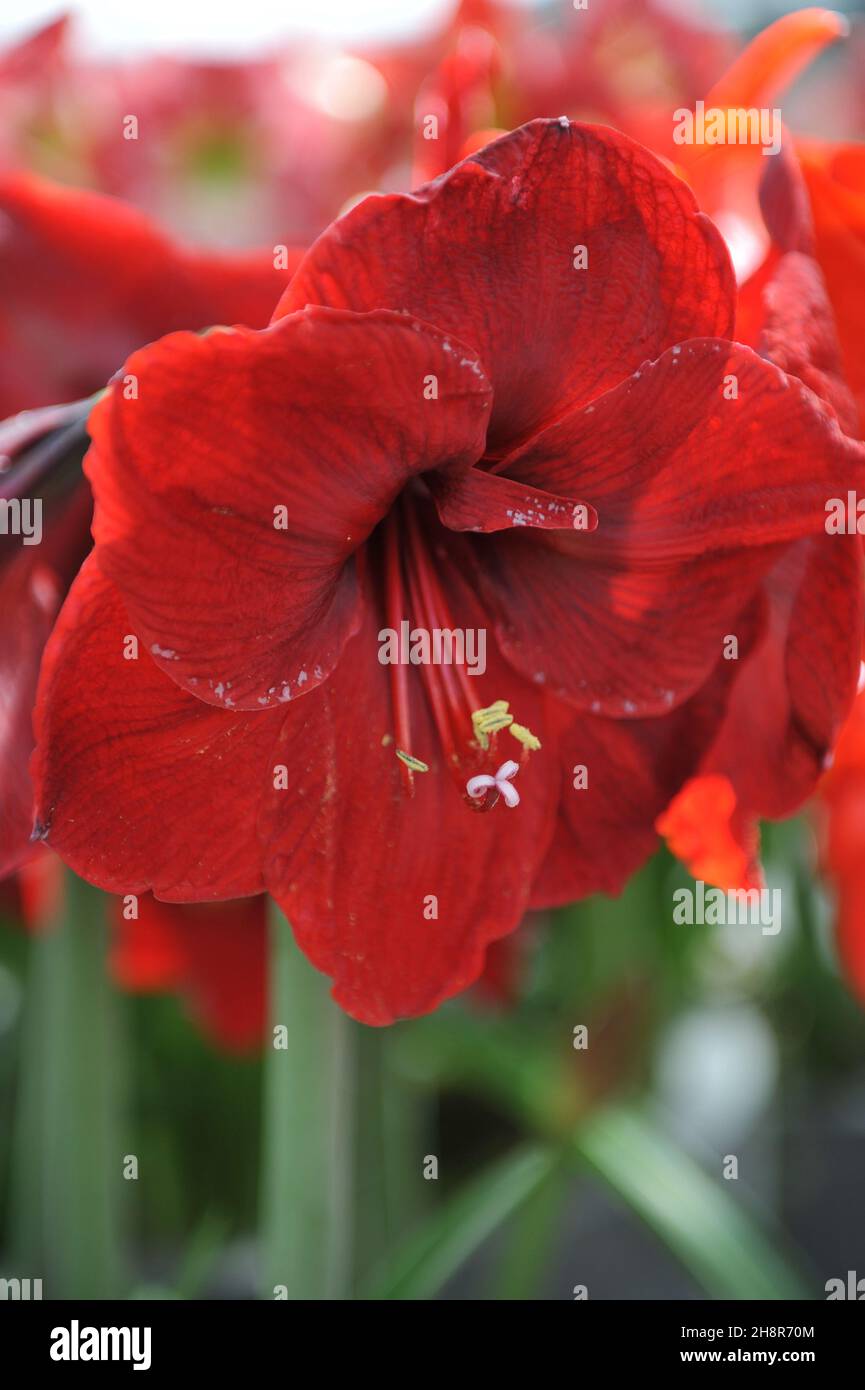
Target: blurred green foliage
501,1094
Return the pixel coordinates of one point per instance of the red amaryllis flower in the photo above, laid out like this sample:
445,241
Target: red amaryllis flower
539,338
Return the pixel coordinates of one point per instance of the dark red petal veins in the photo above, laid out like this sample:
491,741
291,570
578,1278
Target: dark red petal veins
233,493
488,252
695,495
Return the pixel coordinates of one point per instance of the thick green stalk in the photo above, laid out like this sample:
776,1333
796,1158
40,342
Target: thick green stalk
308,1142
391,1138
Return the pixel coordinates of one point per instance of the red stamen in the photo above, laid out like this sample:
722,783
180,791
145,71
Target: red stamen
437,614
444,609
396,611
433,688
414,593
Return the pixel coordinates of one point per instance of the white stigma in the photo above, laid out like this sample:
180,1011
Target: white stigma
502,782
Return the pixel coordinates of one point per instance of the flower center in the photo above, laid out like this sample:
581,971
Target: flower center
415,595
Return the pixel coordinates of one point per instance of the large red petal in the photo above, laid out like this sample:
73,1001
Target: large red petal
487,252
233,492
138,784
796,687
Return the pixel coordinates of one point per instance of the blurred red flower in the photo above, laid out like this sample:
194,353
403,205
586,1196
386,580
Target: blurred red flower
85,279
835,179
793,692
841,809
276,147
424,437
214,955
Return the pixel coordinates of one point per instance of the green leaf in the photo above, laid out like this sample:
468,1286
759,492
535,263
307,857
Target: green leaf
713,1235
530,1239
435,1252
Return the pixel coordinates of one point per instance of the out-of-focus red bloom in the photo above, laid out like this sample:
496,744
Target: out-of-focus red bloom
231,152
793,693
626,62
429,432
842,813
790,309
85,279
706,827
278,146
214,955
835,177
726,177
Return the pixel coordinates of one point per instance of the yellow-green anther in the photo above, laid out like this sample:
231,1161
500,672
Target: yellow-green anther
490,721
525,737
411,761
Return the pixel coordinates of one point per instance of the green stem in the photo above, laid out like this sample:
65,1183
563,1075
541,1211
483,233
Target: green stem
307,1153
68,1161
390,1194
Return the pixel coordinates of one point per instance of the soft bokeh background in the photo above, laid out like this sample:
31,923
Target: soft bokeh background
704,1042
